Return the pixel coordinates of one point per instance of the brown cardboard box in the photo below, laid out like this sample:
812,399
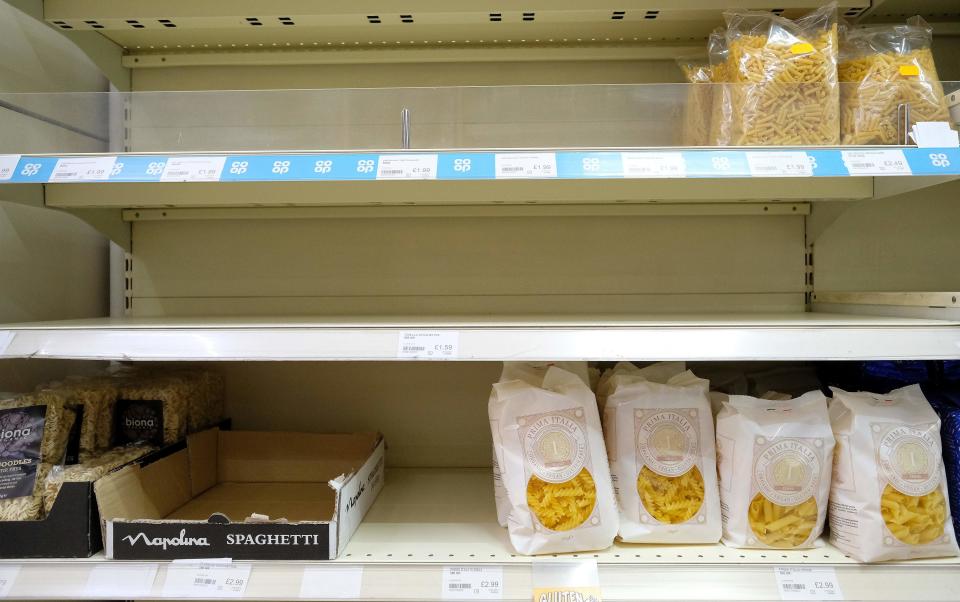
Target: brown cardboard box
211,499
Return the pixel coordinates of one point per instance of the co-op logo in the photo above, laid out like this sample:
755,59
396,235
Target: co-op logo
165,542
15,433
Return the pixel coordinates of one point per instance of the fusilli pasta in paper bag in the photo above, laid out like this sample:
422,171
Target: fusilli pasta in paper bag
888,500
553,465
661,445
774,459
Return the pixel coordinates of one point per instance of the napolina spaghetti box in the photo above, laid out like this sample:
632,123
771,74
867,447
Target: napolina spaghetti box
244,495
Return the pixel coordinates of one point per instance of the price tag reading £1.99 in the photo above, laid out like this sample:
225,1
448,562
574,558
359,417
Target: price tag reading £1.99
206,580
890,162
526,165
472,583
808,583
8,165
779,164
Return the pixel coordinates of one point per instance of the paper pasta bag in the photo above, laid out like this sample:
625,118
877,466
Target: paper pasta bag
553,465
774,463
661,444
889,496
526,371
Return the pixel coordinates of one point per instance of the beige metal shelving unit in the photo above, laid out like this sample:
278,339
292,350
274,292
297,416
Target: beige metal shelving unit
711,269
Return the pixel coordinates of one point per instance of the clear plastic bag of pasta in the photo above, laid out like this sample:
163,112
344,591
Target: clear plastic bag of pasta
721,104
784,78
695,128
774,459
888,500
552,461
661,445
881,68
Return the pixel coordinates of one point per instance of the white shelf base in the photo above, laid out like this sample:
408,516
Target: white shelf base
428,519
797,336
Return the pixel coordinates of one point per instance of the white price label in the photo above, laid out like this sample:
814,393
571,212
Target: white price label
8,165
429,343
808,583
786,163
653,165
83,169
876,162
8,574
6,337
526,165
121,581
472,583
193,169
206,580
331,582
407,167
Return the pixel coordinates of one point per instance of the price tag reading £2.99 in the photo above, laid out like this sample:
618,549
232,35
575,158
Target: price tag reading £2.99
8,165
808,583
526,165
429,344
472,583
888,162
206,580
8,574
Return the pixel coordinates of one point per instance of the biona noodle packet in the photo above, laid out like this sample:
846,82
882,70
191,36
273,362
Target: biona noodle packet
553,465
774,463
888,500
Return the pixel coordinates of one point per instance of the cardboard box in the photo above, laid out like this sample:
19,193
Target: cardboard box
70,530
210,500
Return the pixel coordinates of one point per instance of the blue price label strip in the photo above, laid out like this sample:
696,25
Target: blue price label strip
639,164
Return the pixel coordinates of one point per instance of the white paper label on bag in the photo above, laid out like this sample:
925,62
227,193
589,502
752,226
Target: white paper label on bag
808,583
8,574
206,580
525,165
407,167
331,582
8,165
83,169
876,162
121,580
779,164
472,583
653,165
429,343
193,169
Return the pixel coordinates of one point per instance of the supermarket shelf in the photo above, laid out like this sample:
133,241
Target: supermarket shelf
799,336
478,177
429,519
181,26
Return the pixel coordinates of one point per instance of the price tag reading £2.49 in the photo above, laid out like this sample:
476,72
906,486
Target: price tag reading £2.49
206,580
808,583
887,162
472,582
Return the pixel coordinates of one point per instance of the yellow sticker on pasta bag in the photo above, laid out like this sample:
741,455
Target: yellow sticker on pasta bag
801,48
909,70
